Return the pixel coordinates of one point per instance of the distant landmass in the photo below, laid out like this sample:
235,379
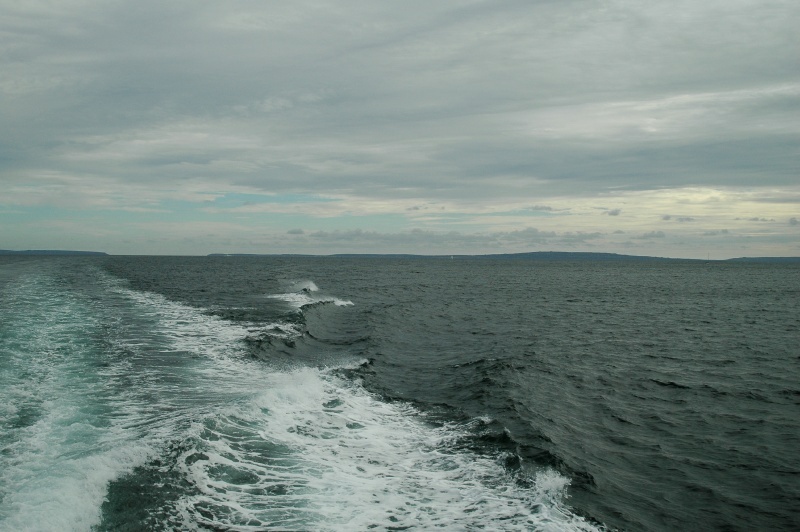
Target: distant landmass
274,255
534,255
612,257
49,252
765,259
574,255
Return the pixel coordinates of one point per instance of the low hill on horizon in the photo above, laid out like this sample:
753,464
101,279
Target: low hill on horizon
49,252
532,255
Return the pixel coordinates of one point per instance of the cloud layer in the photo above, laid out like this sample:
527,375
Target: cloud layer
195,127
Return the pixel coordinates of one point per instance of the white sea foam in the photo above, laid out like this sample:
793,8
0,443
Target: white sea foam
92,408
58,479
302,293
314,451
304,286
55,464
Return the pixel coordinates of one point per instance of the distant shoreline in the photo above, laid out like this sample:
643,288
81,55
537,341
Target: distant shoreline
534,255
582,256
50,252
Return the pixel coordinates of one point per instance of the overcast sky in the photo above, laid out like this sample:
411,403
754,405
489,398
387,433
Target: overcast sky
668,128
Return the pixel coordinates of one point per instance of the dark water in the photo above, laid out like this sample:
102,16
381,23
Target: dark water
249,393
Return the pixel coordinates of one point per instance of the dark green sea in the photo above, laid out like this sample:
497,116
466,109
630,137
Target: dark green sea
368,393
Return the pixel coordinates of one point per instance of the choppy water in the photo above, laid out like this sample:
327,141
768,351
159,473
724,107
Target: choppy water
146,393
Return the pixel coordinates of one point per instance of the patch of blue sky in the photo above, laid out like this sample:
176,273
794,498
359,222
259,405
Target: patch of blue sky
443,217
239,199
533,212
7,211
38,213
36,226
116,213
369,222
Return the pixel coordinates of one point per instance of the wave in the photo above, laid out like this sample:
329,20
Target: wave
314,451
141,394
305,293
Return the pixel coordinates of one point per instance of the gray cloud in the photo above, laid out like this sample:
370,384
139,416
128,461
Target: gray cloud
139,106
793,221
385,80
789,198
446,242
580,237
651,234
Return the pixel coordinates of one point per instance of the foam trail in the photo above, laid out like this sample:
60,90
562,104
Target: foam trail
60,447
94,387
259,448
303,293
314,451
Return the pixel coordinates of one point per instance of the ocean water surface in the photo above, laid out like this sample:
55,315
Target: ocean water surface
325,393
